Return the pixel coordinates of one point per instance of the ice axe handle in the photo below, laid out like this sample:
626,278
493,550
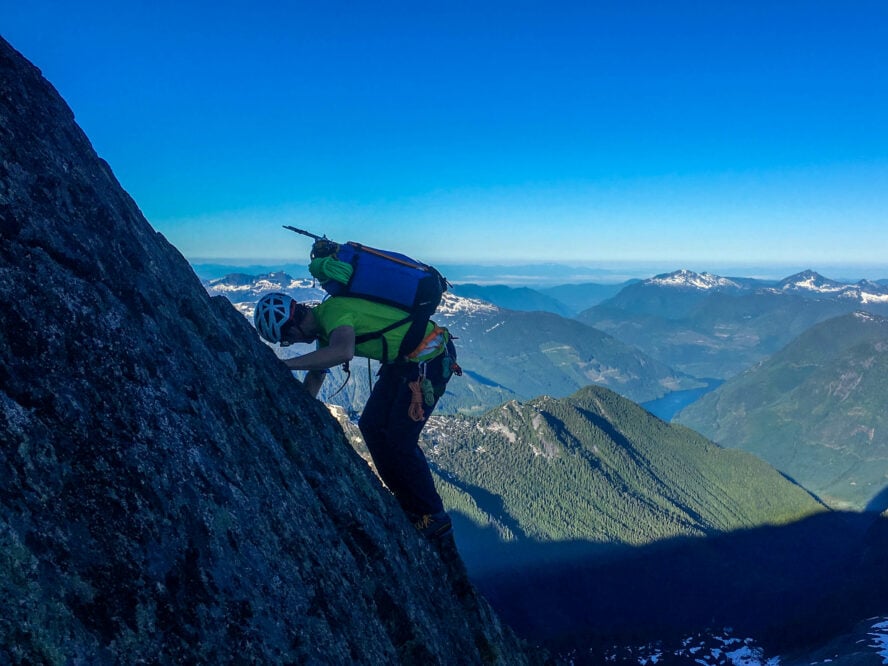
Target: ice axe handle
305,233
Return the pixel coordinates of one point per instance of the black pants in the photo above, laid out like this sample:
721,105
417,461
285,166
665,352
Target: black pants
392,436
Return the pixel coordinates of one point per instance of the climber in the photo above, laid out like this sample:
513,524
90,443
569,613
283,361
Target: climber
403,397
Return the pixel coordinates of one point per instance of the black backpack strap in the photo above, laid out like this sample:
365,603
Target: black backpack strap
366,337
414,335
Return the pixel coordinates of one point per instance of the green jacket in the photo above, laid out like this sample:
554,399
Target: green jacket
368,317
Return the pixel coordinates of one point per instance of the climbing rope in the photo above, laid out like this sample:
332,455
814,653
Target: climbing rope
415,411
417,395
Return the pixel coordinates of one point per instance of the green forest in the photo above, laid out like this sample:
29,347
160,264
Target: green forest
593,470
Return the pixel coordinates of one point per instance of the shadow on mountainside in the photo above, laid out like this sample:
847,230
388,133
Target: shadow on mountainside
879,503
789,586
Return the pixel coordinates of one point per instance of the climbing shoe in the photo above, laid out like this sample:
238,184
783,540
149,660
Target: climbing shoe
433,525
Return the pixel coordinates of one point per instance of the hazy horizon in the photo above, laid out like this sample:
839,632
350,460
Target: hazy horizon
545,274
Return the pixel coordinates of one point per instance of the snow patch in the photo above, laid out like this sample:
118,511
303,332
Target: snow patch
815,282
866,297
711,649
879,634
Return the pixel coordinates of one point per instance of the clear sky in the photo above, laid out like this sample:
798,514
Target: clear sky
693,133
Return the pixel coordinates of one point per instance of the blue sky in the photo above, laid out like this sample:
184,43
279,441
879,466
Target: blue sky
682,134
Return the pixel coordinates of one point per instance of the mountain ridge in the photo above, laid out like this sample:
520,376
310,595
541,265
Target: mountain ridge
707,328
594,466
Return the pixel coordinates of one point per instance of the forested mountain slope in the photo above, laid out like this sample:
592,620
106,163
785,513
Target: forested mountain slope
568,478
815,410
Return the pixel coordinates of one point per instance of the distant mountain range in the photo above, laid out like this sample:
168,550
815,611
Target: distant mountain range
540,353
711,326
537,276
246,288
816,410
672,327
513,298
566,300
783,410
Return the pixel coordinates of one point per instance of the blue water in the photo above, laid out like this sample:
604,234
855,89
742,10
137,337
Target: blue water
671,404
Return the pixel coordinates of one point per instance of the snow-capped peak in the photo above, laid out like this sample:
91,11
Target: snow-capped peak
246,289
690,279
811,281
452,304
814,284
278,281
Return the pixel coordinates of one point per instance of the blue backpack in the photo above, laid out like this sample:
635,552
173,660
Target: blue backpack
390,278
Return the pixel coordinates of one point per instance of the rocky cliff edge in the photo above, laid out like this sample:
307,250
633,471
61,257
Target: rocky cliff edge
169,493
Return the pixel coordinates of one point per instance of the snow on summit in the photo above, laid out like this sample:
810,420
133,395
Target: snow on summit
815,284
686,278
240,288
452,304
258,283
807,283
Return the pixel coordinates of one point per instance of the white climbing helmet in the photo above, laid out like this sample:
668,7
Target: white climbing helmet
272,312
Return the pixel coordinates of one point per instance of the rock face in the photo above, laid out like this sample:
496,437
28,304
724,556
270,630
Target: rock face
169,493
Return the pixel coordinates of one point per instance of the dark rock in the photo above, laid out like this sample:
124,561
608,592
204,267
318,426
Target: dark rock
169,493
